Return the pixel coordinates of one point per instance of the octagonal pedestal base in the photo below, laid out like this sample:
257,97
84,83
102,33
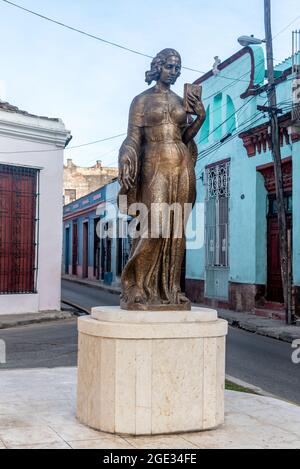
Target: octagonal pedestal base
144,373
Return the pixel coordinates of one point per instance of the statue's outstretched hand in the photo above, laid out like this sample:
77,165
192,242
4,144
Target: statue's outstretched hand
197,105
127,171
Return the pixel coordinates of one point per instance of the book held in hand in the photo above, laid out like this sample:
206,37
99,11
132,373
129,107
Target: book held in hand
191,89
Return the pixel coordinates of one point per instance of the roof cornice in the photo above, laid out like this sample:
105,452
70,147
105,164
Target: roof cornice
33,128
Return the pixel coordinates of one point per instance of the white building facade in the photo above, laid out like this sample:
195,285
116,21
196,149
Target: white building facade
31,204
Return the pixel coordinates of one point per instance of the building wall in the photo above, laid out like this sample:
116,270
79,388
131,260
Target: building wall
242,212
247,223
248,195
195,262
261,231
85,180
102,204
50,203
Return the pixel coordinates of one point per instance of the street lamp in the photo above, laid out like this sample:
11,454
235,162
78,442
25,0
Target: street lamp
249,40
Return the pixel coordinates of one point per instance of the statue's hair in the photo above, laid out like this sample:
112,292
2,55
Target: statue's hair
157,63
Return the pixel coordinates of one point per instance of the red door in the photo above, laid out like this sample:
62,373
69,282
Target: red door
5,232
17,229
23,231
85,250
74,249
96,250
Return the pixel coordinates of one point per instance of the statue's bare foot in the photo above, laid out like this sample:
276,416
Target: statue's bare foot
182,299
140,299
137,296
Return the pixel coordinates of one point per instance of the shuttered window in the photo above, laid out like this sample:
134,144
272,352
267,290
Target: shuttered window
217,197
216,230
18,229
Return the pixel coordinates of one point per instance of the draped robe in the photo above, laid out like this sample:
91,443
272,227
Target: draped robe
164,175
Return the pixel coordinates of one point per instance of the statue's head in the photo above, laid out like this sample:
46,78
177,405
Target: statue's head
164,60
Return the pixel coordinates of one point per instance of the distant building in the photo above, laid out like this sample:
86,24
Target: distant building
79,181
87,254
31,181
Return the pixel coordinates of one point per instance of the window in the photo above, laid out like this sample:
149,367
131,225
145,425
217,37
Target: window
18,227
273,208
218,117
216,225
230,116
70,196
221,116
204,132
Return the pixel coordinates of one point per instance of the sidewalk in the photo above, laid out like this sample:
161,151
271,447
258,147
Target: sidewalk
249,322
38,410
12,320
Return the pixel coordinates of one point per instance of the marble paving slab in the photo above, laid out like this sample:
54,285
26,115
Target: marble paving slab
38,410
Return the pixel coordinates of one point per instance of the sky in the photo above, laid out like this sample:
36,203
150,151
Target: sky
49,70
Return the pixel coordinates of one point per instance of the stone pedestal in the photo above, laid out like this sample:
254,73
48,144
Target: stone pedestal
144,373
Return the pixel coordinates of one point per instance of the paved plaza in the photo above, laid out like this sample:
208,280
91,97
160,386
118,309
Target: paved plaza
37,410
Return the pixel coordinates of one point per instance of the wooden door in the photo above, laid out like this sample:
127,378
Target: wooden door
85,241
74,249
17,229
67,251
96,250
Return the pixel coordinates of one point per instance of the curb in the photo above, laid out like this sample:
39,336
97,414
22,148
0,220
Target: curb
257,390
7,323
279,332
114,291
251,387
75,306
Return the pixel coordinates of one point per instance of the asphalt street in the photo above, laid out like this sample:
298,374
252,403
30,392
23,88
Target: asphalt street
49,345
261,361
87,296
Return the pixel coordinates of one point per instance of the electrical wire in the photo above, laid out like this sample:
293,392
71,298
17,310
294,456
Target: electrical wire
286,27
217,145
231,138
234,80
214,148
85,33
250,121
241,129
98,38
226,87
240,77
235,114
65,149
59,23
103,140
226,120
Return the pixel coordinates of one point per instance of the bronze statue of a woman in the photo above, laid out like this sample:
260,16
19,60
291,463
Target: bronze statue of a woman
156,166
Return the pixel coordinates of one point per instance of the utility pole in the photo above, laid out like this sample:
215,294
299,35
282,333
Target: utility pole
276,153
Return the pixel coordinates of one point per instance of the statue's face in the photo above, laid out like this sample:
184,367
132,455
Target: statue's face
170,70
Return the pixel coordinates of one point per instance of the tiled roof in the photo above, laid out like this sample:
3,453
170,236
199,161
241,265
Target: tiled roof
9,107
287,63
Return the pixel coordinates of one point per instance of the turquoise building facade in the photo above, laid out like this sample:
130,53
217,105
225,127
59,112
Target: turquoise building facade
237,265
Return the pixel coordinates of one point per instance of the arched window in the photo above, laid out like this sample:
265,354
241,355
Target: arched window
204,133
230,116
217,134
